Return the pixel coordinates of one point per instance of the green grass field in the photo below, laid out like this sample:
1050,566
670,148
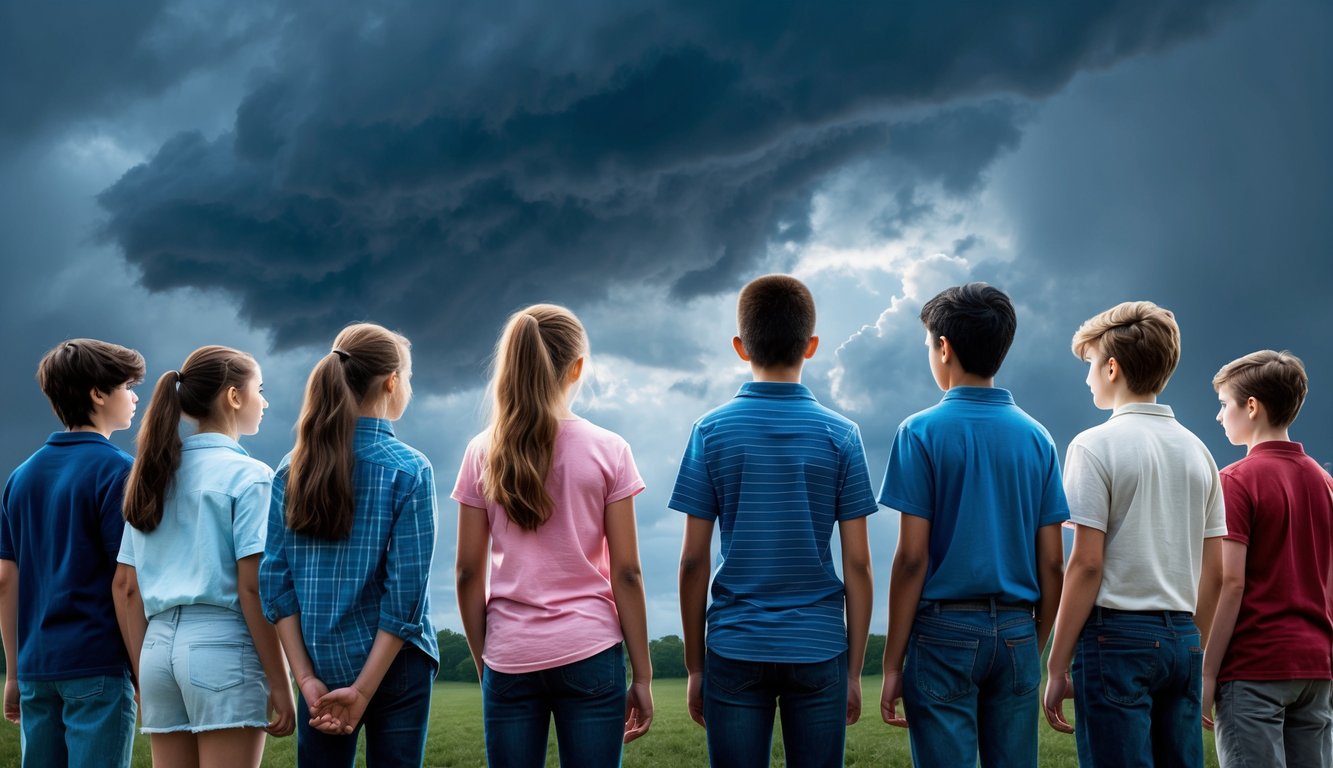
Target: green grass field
455,736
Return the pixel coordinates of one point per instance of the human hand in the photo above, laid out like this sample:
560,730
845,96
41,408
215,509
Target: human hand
340,710
853,699
638,710
12,700
312,690
1209,692
694,697
1058,688
281,710
889,695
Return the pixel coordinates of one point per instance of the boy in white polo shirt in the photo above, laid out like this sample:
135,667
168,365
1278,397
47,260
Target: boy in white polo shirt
1143,578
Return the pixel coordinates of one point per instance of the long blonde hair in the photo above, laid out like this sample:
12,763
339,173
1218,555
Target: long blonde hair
532,360
319,498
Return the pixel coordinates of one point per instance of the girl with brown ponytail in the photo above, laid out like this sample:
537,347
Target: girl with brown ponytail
548,499
209,666
350,538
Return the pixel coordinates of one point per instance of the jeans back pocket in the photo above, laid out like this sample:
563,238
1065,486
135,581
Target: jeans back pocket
943,666
216,666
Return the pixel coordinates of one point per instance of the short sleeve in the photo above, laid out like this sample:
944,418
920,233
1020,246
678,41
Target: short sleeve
627,480
1054,503
694,493
126,554
909,478
855,498
112,511
467,488
1215,521
1239,509
250,512
6,536
1087,488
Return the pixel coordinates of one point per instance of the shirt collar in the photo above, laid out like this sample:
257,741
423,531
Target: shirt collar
371,430
211,440
1278,446
1147,409
775,390
70,438
981,395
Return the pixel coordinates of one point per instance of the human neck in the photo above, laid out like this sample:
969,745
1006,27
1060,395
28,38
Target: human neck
104,432
1267,434
782,374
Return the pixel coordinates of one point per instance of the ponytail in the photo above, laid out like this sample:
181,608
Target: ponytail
320,500
535,352
192,391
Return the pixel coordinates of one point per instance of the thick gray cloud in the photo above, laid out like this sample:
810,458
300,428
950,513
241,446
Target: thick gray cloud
436,166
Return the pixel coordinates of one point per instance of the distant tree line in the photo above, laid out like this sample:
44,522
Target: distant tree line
667,654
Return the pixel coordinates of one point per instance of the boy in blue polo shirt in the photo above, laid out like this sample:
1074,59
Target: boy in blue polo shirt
977,481
775,469
67,679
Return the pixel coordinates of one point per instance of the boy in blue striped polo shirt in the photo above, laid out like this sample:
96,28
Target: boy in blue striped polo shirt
776,470
978,484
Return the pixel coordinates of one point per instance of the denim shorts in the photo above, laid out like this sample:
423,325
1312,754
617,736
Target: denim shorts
199,672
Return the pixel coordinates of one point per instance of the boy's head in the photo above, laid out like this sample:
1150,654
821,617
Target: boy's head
69,374
775,318
1142,337
979,322
1276,379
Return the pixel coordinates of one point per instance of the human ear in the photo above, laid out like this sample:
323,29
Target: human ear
945,349
739,346
97,396
1252,408
811,347
233,397
575,371
1112,370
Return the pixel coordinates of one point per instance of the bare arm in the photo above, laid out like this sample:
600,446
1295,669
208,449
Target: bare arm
1210,585
695,560
9,594
129,613
265,638
1083,579
859,585
622,542
1051,579
473,552
1234,556
340,710
293,646
906,580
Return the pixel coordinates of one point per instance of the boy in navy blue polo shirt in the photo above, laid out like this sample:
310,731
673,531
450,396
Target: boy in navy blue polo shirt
978,484
776,470
67,680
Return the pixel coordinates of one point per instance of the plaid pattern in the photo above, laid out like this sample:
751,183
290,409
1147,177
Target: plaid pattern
347,590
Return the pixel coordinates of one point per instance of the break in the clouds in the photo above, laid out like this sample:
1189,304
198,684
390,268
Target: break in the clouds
435,166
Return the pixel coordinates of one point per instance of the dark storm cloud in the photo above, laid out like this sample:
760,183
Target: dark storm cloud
433,167
67,60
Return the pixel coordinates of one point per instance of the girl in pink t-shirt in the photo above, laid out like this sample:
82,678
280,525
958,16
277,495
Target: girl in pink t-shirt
549,498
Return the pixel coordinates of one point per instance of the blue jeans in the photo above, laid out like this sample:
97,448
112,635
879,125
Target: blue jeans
1138,689
740,698
395,720
586,697
83,721
970,684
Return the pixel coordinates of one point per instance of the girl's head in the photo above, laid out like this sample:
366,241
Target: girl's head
538,360
219,389
366,373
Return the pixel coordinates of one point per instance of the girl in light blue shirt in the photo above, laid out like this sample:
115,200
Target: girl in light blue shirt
211,673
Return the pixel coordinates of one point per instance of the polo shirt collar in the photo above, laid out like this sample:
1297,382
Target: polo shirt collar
775,390
211,440
1278,446
71,438
981,395
1147,409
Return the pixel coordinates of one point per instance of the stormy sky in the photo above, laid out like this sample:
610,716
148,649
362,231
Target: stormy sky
260,174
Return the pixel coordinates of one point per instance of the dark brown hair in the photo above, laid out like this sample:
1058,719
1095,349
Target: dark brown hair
1276,379
1142,337
532,359
192,391
73,369
775,318
319,497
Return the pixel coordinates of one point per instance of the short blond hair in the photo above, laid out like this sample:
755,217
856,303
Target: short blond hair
1276,379
1142,337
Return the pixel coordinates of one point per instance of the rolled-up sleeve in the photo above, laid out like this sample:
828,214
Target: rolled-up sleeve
411,547
277,592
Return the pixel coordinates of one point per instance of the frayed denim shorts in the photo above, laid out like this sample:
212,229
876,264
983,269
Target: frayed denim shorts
199,672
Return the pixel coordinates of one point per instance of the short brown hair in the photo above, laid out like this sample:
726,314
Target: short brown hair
73,369
1276,379
775,318
1142,337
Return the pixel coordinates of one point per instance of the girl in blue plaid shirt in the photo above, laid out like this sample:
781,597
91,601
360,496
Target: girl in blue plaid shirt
350,538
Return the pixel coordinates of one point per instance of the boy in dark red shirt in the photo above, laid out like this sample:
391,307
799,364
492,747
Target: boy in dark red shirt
1268,657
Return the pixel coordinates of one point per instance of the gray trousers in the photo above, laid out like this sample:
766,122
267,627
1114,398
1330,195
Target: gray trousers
1275,723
